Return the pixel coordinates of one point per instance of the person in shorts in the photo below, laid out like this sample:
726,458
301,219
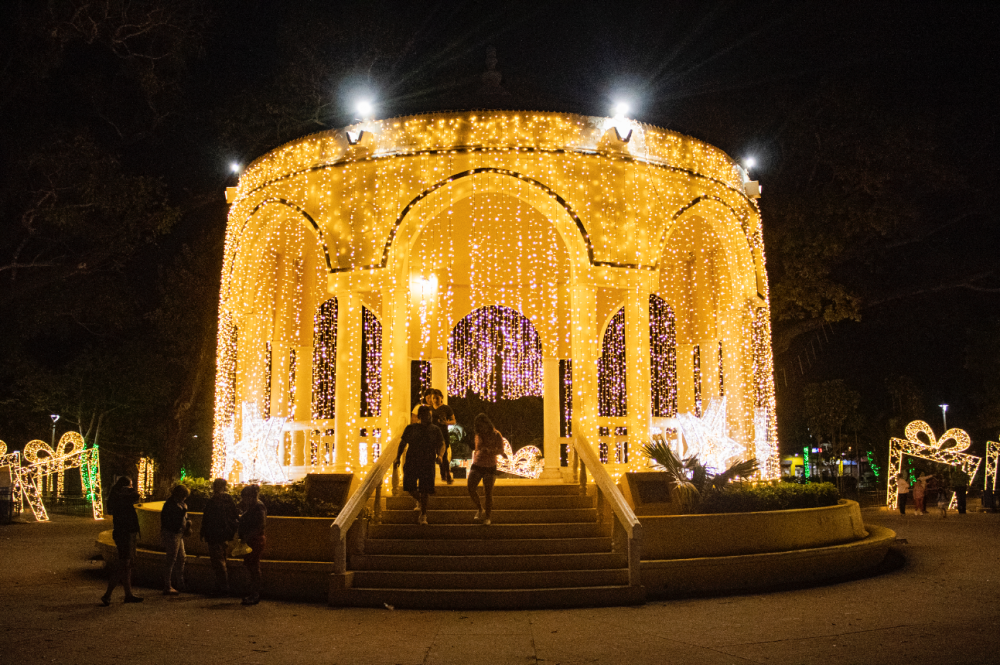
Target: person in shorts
218,526
489,445
121,505
424,446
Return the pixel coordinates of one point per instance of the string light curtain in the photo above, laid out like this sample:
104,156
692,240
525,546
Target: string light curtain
496,353
324,395
611,369
662,357
697,380
371,364
566,398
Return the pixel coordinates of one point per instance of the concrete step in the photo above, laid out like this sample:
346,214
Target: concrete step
488,599
463,502
485,546
517,579
494,531
489,562
541,516
504,488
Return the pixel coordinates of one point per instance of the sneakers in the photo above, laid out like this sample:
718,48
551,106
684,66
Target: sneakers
170,592
486,521
422,520
479,516
105,600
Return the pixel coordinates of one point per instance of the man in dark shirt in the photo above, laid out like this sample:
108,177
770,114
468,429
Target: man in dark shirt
424,445
218,525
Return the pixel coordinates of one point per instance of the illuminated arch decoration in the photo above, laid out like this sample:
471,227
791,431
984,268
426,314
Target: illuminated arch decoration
934,450
527,463
992,454
613,390
484,337
39,462
24,487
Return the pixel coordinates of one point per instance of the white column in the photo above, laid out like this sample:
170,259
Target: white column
395,353
302,409
585,349
348,409
685,378
551,415
439,375
637,363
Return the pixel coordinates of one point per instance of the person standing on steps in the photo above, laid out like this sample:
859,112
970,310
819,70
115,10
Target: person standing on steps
121,505
425,446
218,525
489,445
443,417
902,492
173,527
252,521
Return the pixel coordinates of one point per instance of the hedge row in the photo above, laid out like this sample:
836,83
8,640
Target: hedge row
747,498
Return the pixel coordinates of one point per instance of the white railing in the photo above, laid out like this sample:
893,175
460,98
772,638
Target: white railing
372,484
627,534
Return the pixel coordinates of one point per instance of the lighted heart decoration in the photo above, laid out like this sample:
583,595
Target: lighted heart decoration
960,437
39,451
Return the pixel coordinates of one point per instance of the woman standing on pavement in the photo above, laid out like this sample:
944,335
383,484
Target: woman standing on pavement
489,444
919,492
173,525
121,505
252,521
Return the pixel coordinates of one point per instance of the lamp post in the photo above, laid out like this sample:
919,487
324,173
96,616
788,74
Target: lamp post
944,415
55,418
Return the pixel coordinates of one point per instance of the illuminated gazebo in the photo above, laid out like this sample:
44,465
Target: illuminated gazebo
612,268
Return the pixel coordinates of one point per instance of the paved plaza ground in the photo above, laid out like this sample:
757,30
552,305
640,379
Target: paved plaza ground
938,602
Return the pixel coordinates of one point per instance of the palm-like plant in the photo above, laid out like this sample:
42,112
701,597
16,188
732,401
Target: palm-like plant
741,469
663,457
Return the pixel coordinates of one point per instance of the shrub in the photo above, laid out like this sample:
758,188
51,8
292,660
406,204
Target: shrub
746,498
280,500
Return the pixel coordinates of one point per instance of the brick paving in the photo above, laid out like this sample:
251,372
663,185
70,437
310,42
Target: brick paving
938,603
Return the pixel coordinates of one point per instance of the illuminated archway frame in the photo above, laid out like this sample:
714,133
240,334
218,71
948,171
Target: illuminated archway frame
992,454
718,198
932,451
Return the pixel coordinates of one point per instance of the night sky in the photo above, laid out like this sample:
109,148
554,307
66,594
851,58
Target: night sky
774,81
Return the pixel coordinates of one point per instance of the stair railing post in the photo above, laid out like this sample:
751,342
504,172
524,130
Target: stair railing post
583,477
378,504
339,543
634,552
600,504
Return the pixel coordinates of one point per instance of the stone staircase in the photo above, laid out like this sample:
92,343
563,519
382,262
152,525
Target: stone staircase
545,548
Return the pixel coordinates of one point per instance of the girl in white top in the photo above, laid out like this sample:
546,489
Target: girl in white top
902,492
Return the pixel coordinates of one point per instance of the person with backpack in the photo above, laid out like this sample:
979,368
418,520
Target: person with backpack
218,526
121,506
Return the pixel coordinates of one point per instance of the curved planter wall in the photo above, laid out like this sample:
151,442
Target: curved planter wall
288,538
733,534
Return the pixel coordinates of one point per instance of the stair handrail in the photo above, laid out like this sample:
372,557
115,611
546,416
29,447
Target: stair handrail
623,512
357,502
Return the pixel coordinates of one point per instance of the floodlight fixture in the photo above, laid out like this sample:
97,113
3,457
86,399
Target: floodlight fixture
365,108
749,162
621,108
235,167
54,417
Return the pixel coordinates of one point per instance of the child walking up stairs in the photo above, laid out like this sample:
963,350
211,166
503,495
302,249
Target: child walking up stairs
545,548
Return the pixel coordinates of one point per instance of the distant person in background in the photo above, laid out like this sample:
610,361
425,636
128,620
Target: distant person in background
173,527
443,417
252,521
121,505
902,492
423,445
425,400
218,526
489,445
919,493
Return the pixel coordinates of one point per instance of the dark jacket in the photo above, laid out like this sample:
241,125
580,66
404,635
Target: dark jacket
425,443
220,520
121,505
252,522
173,516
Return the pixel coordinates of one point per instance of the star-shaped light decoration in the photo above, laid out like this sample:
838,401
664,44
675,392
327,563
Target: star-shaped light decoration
706,437
257,448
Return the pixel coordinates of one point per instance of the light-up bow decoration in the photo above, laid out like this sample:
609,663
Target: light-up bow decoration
41,462
946,450
24,486
526,463
47,461
992,455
